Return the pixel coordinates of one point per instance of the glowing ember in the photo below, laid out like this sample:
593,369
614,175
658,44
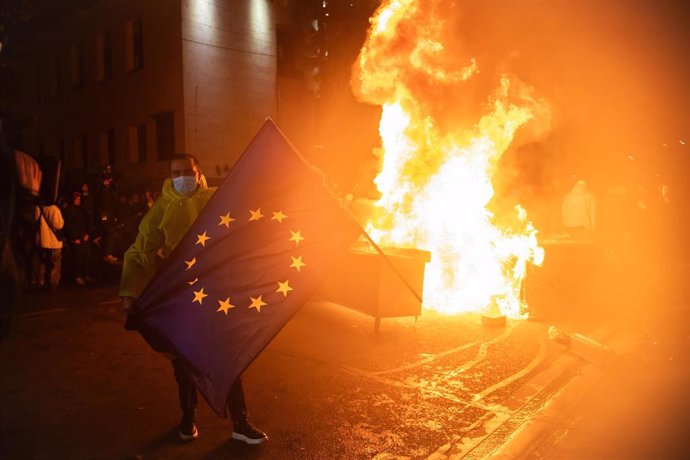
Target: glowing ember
437,170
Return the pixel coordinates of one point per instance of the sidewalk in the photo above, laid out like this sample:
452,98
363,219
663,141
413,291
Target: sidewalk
637,406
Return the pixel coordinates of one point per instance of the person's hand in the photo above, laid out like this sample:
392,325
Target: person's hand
97,241
127,303
77,241
86,238
28,172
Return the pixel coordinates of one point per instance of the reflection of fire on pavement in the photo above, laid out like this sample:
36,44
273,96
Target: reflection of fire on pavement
440,157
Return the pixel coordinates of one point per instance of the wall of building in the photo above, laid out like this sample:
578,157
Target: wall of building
317,44
128,98
229,58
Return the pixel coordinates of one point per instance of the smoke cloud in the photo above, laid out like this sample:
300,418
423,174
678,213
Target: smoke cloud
612,72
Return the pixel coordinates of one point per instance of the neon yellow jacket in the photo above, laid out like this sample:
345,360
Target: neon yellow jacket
160,230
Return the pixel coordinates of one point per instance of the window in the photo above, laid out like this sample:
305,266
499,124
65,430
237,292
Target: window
134,35
81,152
108,146
40,82
88,155
54,76
61,152
137,144
287,50
104,57
165,135
77,65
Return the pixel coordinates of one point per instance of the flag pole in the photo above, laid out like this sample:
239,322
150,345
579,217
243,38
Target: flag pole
388,261
364,232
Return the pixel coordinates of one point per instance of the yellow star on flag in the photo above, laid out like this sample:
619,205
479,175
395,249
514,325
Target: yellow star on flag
284,288
225,220
279,216
256,215
225,305
191,283
296,237
199,296
201,239
257,303
297,262
190,263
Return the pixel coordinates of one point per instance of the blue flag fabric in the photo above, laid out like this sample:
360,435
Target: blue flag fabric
257,251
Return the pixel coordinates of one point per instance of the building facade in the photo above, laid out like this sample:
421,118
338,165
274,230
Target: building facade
127,83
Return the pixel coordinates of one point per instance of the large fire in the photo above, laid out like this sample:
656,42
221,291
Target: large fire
436,172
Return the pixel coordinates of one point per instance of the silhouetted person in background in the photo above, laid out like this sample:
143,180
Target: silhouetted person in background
20,181
79,236
88,203
46,262
106,211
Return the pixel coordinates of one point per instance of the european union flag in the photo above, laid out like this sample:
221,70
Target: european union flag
255,254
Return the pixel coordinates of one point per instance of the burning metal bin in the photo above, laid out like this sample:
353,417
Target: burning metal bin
366,282
572,282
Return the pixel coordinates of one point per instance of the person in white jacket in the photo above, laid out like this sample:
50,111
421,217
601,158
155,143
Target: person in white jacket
579,211
47,262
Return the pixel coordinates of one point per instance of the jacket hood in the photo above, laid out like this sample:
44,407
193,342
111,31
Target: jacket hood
170,193
579,188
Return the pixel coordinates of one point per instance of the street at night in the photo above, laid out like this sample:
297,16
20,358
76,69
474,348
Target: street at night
363,229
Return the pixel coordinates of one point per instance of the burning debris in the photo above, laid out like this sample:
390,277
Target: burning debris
583,346
447,118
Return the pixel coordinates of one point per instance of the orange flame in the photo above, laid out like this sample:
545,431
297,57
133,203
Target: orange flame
436,175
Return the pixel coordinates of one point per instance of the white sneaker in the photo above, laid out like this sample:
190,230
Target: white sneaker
247,432
188,430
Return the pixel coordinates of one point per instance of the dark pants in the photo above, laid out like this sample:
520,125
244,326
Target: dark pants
113,240
46,267
10,289
82,256
188,397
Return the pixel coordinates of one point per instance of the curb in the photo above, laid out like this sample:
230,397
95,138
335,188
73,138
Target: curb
530,434
548,397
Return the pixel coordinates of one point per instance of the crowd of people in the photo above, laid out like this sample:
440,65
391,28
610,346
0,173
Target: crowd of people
95,230
81,237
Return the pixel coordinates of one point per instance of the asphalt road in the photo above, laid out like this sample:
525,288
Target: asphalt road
74,384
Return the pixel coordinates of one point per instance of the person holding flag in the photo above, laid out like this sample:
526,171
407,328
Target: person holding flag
234,270
184,195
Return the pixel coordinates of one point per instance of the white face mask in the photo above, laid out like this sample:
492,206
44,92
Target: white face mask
185,185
